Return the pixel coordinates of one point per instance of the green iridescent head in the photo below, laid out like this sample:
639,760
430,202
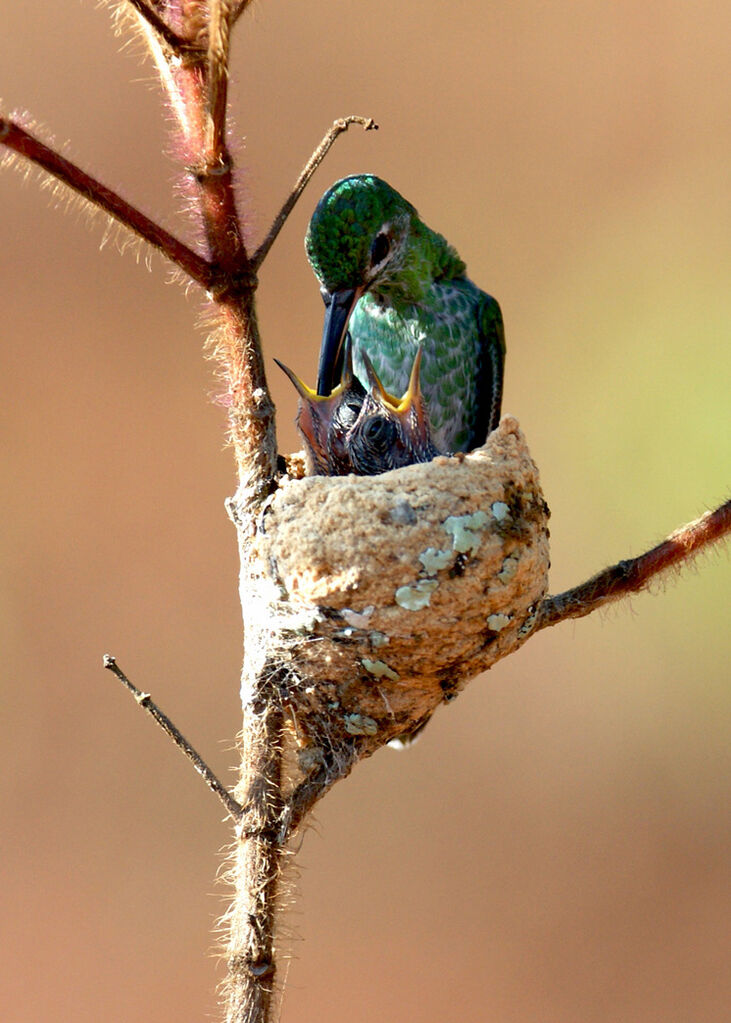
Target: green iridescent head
358,231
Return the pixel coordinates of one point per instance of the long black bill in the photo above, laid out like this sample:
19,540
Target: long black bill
337,315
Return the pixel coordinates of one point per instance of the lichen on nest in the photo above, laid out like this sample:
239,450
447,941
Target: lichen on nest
382,596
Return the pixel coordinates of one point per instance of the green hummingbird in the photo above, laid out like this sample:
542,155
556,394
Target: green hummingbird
397,286
365,432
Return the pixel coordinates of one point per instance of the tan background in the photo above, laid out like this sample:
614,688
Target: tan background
555,848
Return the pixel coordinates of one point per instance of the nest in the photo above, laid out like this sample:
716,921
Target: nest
380,597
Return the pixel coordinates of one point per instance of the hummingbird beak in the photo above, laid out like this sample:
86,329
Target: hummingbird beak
339,308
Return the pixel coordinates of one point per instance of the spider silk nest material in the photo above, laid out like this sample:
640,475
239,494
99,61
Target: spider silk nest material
380,597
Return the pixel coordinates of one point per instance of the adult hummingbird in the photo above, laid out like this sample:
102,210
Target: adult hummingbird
365,432
397,287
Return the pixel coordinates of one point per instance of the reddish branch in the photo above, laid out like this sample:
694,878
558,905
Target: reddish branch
22,142
171,38
198,99
635,574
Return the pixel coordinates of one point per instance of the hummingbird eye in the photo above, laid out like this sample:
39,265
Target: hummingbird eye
380,248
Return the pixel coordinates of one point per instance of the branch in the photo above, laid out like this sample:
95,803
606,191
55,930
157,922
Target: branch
27,145
172,40
634,574
219,38
338,127
197,104
257,856
311,790
233,808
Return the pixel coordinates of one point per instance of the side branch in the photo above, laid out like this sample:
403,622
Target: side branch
172,40
309,169
27,145
634,574
233,808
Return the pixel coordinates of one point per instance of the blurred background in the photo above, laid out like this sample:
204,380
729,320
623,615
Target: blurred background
555,848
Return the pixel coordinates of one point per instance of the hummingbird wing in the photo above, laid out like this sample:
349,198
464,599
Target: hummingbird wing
489,384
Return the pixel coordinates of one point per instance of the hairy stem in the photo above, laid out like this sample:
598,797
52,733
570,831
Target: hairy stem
236,335
256,866
634,574
198,94
22,142
176,43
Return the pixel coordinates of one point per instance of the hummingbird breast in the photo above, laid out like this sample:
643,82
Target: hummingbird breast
444,324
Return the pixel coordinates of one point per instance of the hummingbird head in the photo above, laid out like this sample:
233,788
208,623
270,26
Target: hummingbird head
365,237
357,233
356,242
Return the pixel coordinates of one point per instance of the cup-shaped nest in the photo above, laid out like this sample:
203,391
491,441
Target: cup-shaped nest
383,595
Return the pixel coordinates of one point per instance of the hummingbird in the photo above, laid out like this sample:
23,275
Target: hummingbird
365,432
398,287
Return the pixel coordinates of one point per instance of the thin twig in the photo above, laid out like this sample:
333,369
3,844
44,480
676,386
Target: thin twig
233,808
634,574
171,38
338,127
27,145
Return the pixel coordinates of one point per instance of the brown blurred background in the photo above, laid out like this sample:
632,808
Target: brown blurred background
555,849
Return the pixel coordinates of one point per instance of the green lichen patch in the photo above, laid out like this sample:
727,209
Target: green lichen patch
500,511
466,531
379,668
498,622
416,596
435,560
509,568
378,638
360,724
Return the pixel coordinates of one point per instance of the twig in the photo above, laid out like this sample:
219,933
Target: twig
634,574
233,808
313,789
338,127
27,145
171,38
